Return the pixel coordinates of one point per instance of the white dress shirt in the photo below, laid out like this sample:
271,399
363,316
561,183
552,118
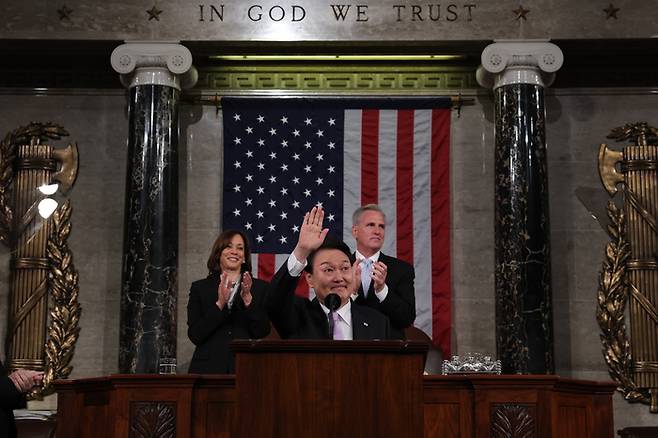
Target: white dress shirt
343,325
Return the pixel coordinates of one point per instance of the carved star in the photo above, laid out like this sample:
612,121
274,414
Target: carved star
64,13
521,12
154,12
611,12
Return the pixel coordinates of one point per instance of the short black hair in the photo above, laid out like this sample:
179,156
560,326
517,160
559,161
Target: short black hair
330,242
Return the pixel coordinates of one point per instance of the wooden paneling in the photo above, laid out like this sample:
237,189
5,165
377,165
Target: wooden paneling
314,391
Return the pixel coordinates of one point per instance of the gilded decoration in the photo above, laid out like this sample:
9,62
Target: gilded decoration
628,282
44,312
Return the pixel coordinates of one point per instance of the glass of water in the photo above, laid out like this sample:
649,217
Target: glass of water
167,365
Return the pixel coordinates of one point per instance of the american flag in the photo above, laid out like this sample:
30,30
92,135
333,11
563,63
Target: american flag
282,156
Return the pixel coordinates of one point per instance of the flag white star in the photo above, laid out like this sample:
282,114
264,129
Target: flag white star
249,154
236,117
237,164
332,122
236,212
330,193
259,239
272,203
284,191
284,143
236,188
261,166
331,169
272,131
295,132
295,229
260,190
283,239
307,145
295,180
295,204
284,120
331,145
330,218
320,157
308,121
249,177
248,201
273,155
259,214
320,133
307,193
319,181
272,179
318,204
307,169
295,156
283,215
260,118
272,227
284,167
249,130
237,140
247,226
261,142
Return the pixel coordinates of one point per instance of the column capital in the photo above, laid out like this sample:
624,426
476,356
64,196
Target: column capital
519,62
154,63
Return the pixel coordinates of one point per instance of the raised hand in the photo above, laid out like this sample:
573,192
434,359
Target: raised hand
379,271
245,289
311,233
25,380
223,291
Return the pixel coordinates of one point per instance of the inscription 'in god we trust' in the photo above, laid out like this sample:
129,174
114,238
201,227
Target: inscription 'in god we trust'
340,12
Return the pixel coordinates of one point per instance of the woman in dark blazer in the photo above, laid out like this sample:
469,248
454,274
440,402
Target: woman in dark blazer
228,304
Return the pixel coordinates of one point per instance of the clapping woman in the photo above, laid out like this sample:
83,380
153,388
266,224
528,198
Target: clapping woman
227,305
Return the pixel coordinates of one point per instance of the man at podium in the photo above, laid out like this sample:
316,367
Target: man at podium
332,273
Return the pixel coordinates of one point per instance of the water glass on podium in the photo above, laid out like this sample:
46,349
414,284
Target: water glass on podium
167,365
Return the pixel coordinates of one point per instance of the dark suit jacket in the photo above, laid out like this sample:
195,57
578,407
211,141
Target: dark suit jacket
212,329
298,318
400,302
10,399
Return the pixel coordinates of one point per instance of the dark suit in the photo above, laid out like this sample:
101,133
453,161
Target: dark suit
400,302
298,318
10,399
212,329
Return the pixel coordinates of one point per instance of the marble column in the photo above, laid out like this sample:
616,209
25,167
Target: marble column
154,73
518,72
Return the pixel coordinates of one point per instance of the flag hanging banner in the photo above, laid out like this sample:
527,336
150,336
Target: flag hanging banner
282,156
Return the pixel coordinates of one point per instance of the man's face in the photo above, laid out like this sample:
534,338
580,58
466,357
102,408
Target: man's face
332,273
369,232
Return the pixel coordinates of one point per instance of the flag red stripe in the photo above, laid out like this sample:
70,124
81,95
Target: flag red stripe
440,211
405,186
302,287
369,156
266,264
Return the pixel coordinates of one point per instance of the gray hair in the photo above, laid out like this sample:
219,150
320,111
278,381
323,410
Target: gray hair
368,207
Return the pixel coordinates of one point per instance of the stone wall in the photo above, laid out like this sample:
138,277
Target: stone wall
578,121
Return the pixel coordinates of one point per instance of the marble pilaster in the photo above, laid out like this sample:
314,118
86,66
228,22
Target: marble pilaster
518,71
154,73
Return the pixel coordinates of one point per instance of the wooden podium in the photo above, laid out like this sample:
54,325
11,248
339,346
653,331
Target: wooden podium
337,389
330,388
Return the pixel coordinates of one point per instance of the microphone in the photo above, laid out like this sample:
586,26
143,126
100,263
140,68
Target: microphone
332,302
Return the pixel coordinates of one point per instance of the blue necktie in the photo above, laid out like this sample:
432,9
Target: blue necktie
366,276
